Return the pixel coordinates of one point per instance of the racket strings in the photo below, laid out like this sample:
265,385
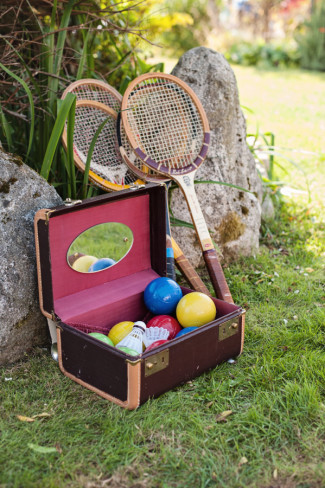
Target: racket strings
165,122
106,160
132,157
98,94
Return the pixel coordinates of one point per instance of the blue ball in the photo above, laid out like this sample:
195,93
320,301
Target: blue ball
162,295
185,331
101,264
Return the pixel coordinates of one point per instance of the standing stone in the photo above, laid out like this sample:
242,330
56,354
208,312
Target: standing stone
22,193
233,216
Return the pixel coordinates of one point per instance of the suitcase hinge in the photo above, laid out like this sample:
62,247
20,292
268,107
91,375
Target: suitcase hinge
156,363
47,216
68,202
135,186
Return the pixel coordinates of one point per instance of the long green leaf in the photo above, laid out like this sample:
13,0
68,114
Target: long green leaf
89,155
70,130
31,105
56,134
6,129
56,65
84,56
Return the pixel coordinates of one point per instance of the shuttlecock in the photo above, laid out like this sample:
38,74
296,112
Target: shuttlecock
154,334
135,338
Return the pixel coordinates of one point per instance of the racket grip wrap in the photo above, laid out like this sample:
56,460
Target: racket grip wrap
217,277
170,271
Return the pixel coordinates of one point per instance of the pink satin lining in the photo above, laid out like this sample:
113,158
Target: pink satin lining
86,287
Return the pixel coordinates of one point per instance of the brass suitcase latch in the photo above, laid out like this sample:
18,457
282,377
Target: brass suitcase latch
156,363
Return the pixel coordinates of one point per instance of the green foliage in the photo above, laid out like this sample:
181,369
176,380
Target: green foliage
45,49
264,55
311,39
187,27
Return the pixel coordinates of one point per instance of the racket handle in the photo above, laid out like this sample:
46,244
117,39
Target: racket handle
188,271
217,277
170,270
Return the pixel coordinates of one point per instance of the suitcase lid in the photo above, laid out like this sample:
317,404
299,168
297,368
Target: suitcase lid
69,293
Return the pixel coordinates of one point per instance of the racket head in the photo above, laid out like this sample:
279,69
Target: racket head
132,161
165,124
107,168
97,90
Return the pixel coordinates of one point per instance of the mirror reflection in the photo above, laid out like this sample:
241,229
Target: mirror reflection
100,247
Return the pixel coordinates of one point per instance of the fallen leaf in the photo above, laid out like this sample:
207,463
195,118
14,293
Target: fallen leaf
309,270
42,449
222,417
209,404
242,461
58,448
8,379
295,317
259,281
22,418
296,292
275,474
43,414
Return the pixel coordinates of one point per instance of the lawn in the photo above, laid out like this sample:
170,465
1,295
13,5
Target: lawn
274,434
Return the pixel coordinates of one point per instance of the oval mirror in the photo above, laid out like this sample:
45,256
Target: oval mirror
100,247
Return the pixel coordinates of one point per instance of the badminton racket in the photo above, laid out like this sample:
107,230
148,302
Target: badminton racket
182,262
168,130
96,90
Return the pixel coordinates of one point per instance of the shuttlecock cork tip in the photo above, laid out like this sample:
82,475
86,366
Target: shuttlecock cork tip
140,324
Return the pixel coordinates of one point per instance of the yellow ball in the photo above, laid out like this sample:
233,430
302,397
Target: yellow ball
119,331
195,309
83,264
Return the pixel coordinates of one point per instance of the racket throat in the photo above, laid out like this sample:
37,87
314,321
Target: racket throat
186,183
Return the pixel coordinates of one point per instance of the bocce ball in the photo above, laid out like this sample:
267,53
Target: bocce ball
102,337
195,309
101,264
162,295
165,322
185,331
119,331
83,263
129,351
156,344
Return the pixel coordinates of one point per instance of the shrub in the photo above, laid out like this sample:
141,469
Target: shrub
311,40
264,55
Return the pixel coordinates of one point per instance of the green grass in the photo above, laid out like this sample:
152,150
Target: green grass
275,390
290,104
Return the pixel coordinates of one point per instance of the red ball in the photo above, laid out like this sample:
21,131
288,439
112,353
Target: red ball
165,322
156,344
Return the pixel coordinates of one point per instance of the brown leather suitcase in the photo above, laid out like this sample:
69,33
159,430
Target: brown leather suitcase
80,303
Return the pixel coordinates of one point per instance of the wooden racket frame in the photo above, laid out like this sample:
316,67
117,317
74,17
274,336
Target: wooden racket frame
92,82
184,177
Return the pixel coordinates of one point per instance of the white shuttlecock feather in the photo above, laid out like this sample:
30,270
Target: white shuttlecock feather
135,338
154,334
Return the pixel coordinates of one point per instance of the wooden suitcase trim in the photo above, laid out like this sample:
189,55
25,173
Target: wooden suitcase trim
133,375
242,319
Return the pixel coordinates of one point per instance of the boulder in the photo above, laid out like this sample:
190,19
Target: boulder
233,215
22,193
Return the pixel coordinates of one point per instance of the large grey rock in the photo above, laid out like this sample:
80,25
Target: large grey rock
233,215
22,193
